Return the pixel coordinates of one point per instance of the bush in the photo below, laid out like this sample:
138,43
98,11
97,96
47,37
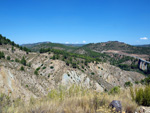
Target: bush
67,63
51,67
36,72
128,84
23,61
22,68
115,90
146,81
38,68
44,68
17,60
8,57
2,55
141,96
92,73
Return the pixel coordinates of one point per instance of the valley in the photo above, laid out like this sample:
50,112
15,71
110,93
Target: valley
27,74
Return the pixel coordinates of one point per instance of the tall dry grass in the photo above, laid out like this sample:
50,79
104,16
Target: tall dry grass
76,99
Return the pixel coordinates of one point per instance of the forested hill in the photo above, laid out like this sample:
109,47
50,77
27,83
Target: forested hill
38,46
5,41
118,46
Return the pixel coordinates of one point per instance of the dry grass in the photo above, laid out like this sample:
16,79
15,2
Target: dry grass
74,100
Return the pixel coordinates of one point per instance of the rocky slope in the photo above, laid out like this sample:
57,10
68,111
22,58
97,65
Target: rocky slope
53,73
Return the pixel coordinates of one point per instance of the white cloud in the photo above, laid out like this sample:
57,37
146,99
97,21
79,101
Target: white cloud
76,42
84,42
66,42
144,38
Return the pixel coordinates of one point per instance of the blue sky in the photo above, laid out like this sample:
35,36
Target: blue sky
75,21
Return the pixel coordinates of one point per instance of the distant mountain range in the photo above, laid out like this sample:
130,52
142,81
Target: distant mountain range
145,45
94,47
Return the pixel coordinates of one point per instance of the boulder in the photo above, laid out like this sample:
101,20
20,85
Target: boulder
115,104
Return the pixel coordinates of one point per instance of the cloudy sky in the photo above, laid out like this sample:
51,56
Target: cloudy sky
76,21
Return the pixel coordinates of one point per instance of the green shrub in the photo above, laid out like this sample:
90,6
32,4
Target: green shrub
82,67
8,57
44,68
136,82
146,81
17,60
115,90
23,61
141,96
36,72
128,84
38,68
92,73
2,55
22,68
51,67
67,63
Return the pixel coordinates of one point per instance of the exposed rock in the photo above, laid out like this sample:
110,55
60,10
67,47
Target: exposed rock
115,104
143,109
53,73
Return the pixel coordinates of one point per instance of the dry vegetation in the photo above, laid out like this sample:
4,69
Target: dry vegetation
73,100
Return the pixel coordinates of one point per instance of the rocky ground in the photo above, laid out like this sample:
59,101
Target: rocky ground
53,73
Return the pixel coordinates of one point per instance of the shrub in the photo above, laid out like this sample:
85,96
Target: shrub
8,57
146,81
23,61
136,82
36,72
92,73
2,55
141,96
115,90
51,67
44,68
128,84
17,60
67,63
22,68
82,67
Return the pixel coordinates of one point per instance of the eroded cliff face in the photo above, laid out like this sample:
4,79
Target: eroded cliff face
53,73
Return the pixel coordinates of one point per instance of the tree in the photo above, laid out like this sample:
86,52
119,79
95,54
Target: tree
0,42
12,49
67,63
128,84
36,72
8,57
2,55
22,68
23,61
54,57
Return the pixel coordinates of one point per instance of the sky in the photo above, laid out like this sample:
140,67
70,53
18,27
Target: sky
75,21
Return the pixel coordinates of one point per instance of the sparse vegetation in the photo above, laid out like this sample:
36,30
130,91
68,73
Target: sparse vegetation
74,100
5,41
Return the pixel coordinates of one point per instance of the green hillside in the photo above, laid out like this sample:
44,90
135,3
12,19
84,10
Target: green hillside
38,46
119,46
5,41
